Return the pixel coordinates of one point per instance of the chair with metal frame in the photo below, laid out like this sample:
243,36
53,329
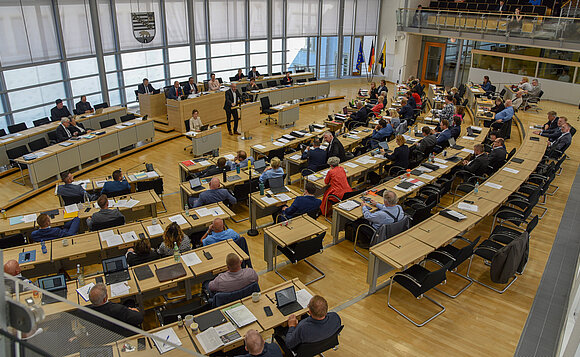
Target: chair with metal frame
384,232
317,348
14,154
346,196
156,185
300,251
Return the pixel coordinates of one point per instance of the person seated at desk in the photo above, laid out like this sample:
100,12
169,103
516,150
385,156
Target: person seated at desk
84,107
256,346
253,73
77,128
498,155
59,111
504,116
315,156
302,204
217,233
141,253
489,140
386,100
383,87
175,92
12,268
334,148
235,278
460,111
525,84
195,123
456,127
552,122
448,110
190,87
518,100
70,189
498,107
360,115
145,87
173,235
240,159
445,134
428,142
215,194
275,170
486,85
400,156
45,232
63,133
381,132
479,163
337,184
373,92
287,79
416,85
417,98
319,326
454,92
378,108
100,303
105,214
406,112
240,75
118,184
215,169
213,84
562,142
553,134
410,99
535,91
253,85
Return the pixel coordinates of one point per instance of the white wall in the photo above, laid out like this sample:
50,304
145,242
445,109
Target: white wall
553,90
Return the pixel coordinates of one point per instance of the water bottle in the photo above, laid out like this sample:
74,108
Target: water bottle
175,252
80,276
238,168
261,185
43,247
224,176
179,321
431,158
186,209
476,188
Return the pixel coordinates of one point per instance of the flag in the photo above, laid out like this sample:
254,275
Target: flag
372,57
383,57
360,59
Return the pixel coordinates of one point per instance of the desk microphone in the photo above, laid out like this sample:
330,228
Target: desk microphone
131,168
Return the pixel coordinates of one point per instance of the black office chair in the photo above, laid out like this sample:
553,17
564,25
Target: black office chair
14,240
107,123
272,84
52,137
233,79
155,185
300,70
69,200
102,105
300,251
97,226
37,144
317,348
312,79
223,298
16,128
14,154
39,122
137,94
169,312
129,116
267,108
118,193
76,112
2,132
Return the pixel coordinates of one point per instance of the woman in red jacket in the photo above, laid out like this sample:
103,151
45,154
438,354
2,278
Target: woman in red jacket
337,182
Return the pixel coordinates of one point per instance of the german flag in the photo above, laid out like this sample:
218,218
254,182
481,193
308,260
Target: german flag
372,57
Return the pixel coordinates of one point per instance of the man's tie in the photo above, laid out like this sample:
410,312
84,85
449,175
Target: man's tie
176,94
146,89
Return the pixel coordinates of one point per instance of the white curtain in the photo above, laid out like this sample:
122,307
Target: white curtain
367,15
277,18
348,17
77,29
258,16
199,21
302,18
227,20
176,20
330,15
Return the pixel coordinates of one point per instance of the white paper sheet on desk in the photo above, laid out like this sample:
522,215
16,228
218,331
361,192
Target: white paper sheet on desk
467,138
190,259
209,340
493,185
204,163
439,160
28,218
277,143
456,214
152,174
105,234
5,140
318,130
478,128
296,157
423,169
352,165
283,197
313,178
427,177
269,200
41,153
100,183
216,211
155,230
71,208
114,240
467,150
230,156
411,188
285,141
259,146
202,212
112,204
129,236
363,159
303,297
119,126
119,289
178,218
83,291
372,161
441,166
468,207
132,203
348,205
307,134
121,203
356,137
513,171
167,335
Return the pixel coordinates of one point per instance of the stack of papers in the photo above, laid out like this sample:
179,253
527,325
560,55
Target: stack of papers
303,297
216,337
71,208
178,218
348,205
166,340
120,289
468,138
456,214
493,185
269,200
259,146
365,160
513,171
112,203
239,314
427,177
284,140
126,203
467,207
277,143
129,236
283,197
230,157
296,157
204,163
190,259
212,211
110,238
352,165
467,150
155,230
83,291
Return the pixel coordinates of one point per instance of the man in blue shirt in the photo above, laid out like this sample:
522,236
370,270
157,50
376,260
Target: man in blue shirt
240,159
215,194
382,131
217,233
47,233
256,346
119,184
444,136
316,157
504,116
387,213
302,204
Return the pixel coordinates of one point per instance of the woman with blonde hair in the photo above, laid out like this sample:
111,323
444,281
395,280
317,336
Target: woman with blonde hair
337,184
400,156
275,170
174,234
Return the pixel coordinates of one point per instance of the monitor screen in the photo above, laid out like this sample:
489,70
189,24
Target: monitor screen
285,296
195,182
115,264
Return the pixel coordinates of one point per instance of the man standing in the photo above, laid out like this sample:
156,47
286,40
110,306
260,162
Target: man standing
335,147
190,87
232,99
59,111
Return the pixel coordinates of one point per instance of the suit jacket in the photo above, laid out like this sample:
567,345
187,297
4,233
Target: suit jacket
497,157
336,149
361,115
172,93
562,142
70,190
552,125
141,88
301,205
455,131
190,88
79,129
497,108
427,144
83,107
119,312
252,75
57,114
381,89
412,102
287,80
68,229
374,93
104,216
478,166
400,156
316,158
230,99
62,133
115,186
239,76
406,111
443,137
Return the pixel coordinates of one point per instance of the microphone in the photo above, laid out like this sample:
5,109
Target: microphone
139,164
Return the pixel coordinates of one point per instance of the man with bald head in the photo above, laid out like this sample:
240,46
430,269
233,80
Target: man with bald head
215,194
504,116
12,267
100,302
256,346
235,278
217,233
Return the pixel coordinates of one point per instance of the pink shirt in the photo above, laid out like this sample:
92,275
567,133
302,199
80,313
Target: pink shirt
229,281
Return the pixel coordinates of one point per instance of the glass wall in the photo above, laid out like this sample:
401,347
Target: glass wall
50,51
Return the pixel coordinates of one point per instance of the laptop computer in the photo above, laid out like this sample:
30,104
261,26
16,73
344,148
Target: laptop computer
260,165
286,301
56,284
195,184
277,185
470,132
204,127
116,270
453,145
385,146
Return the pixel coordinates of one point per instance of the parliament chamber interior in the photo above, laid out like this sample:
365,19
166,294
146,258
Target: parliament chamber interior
289,177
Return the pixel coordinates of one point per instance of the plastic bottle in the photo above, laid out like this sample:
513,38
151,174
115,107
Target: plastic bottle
238,168
431,158
476,188
175,252
80,275
271,138
261,185
186,209
43,247
179,321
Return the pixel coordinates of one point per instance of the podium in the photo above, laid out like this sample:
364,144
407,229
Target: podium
152,105
205,141
210,107
249,118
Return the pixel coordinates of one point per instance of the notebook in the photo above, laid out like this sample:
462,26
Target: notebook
143,272
171,272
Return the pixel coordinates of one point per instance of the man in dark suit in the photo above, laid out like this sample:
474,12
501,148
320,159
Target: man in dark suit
498,154
233,96
316,156
83,107
175,92
59,111
105,214
359,116
501,7
119,184
145,87
383,87
253,73
428,142
562,142
77,128
335,147
410,100
69,189
63,132
406,112
100,303
478,165
45,232
190,87
302,204
552,121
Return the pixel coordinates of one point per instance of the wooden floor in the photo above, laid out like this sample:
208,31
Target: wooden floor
479,322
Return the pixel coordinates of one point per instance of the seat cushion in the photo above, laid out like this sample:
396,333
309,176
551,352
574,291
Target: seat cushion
487,254
418,273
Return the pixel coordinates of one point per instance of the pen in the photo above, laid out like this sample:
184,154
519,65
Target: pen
166,339
425,230
155,265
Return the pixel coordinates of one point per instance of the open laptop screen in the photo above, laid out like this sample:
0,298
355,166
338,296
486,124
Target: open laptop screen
52,283
114,264
285,296
195,182
276,182
259,164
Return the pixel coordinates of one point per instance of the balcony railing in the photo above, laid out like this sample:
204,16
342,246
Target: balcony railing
525,26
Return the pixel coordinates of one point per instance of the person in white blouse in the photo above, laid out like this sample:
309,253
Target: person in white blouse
213,83
195,123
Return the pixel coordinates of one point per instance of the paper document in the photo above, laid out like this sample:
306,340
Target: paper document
467,150
467,207
303,297
284,141
348,205
71,208
29,218
230,157
129,237
119,126
228,333
166,340
468,138
277,143
352,165
202,212
84,291
269,200
493,185
152,174
513,171
296,157
190,259
283,197
259,146
441,161
441,166
178,218
456,214
239,314
131,203
119,289
155,230
216,211
114,240
106,234
209,340
427,177
204,163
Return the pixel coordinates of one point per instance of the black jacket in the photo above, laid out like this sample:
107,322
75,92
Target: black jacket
427,144
497,108
136,259
406,112
361,115
374,93
230,99
61,133
121,313
336,149
400,156
478,166
141,88
187,88
497,157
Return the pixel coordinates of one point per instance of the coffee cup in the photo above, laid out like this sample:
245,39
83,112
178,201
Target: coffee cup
256,297
154,221
65,242
188,320
194,327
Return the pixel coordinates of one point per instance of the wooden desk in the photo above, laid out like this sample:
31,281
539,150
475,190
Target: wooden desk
261,208
188,167
57,307
294,92
249,118
210,106
183,333
79,248
133,290
212,267
41,262
153,105
205,141
264,149
264,79
287,114
283,235
185,190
